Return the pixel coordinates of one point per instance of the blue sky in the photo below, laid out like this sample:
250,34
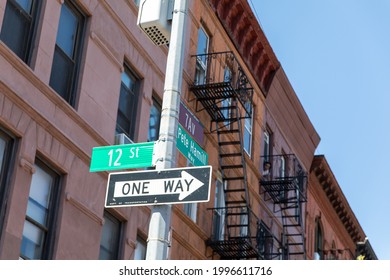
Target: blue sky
336,55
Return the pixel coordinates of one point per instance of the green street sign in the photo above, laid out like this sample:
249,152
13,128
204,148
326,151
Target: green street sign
190,149
118,157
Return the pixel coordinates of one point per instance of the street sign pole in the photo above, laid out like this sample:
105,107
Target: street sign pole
160,222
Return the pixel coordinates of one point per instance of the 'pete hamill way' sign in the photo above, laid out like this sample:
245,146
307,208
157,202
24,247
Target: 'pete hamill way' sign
168,186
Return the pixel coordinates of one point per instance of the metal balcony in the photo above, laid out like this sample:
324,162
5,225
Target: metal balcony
238,234
283,179
218,78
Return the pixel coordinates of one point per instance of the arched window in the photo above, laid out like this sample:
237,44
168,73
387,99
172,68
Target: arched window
318,241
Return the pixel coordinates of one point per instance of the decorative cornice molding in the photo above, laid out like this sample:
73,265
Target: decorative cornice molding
336,198
249,39
84,209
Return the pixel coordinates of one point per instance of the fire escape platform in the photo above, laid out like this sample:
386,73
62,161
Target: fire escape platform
211,94
237,248
276,187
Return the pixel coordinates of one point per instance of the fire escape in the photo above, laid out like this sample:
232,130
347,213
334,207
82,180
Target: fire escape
284,182
222,89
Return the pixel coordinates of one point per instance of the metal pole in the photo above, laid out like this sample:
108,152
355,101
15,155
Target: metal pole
157,246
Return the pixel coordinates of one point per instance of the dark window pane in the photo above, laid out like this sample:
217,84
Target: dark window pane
66,59
16,31
154,121
3,144
6,159
61,74
67,31
127,107
109,243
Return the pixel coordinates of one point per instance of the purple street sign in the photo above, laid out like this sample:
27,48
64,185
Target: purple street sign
191,124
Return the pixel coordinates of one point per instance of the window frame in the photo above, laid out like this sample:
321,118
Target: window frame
157,105
5,174
73,78
265,241
219,212
140,251
191,209
132,115
51,223
116,254
201,63
267,151
318,239
248,128
28,41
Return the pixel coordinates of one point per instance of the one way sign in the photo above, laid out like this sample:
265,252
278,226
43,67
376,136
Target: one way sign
169,186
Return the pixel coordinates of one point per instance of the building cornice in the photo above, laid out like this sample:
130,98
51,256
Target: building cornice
249,39
335,196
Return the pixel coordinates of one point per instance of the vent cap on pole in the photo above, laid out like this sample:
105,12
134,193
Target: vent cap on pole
155,18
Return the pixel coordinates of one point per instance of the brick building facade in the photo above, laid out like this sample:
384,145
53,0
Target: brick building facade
79,74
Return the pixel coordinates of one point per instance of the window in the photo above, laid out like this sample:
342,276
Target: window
128,103
190,209
265,242
226,103
300,191
267,146
219,212
19,25
39,225
282,175
201,61
67,53
154,121
111,234
248,130
244,221
140,249
6,159
318,241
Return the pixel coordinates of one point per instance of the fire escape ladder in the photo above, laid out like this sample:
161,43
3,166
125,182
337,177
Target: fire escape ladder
238,215
293,232
284,182
224,92
232,159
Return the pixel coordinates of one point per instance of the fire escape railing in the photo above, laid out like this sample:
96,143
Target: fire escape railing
231,241
284,181
283,178
218,77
